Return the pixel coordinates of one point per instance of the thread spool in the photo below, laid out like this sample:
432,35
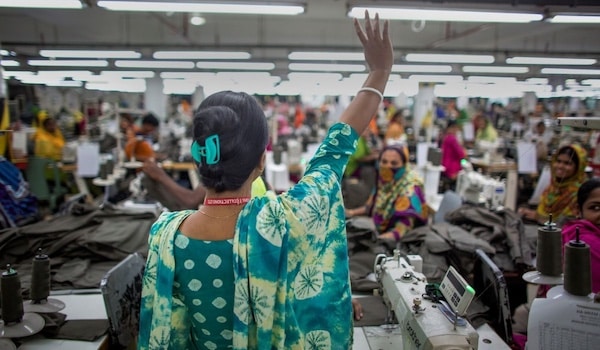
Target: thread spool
40,287
578,277
103,171
549,244
12,301
40,278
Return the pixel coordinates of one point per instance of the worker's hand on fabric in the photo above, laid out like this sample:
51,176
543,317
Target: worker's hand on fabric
357,309
527,213
152,170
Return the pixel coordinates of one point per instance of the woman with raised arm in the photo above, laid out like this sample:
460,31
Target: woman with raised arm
267,272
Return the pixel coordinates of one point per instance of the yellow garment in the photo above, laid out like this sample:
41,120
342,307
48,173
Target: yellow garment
4,123
427,120
259,188
48,145
488,133
39,120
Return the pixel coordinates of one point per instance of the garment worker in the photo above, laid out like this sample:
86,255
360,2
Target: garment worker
174,196
259,273
48,140
139,146
398,204
567,173
452,153
394,134
588,202
484,130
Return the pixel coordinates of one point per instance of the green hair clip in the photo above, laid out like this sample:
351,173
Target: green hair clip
211,151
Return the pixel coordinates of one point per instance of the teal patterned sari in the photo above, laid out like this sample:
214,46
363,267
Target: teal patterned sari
290,263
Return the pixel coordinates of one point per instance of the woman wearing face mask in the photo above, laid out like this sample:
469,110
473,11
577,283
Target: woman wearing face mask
398,204
560,197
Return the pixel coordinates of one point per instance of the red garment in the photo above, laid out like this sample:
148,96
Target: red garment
452,154
590,234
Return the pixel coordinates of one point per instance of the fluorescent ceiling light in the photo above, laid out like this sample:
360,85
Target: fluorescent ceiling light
202,55
446,15
167,6
56,4
124,85
551,60
4,53
593,82
575,19
491,80
65,83
89,54
9,63
326,56
416,68
315,76
187,75
128,74
567,71
361,77
327,67
436,78
495,69
197,20
17,74
236,65
75,74
155,64
68,63
448,58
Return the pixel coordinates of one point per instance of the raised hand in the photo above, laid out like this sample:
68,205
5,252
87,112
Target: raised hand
376,43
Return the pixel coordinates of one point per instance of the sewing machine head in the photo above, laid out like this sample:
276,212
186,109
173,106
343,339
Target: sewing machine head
490,150
477,188
422,323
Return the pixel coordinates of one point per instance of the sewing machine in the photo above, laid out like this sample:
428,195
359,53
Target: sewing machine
421,323
490,150
477,188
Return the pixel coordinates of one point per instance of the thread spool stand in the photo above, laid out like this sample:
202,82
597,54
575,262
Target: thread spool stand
40,287
106,183
578,278
549,256
15,322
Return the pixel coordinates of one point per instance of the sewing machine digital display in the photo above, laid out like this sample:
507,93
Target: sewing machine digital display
457,291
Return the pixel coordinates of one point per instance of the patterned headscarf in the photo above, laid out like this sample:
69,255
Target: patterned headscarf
560,197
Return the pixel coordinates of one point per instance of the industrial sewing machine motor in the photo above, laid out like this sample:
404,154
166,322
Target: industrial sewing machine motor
422,321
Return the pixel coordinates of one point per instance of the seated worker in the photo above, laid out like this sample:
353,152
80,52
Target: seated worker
139,147
394,133
362,162
567,171
176,197
588,202
484,130
127,126
48,141
452,153
398,204
588,206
